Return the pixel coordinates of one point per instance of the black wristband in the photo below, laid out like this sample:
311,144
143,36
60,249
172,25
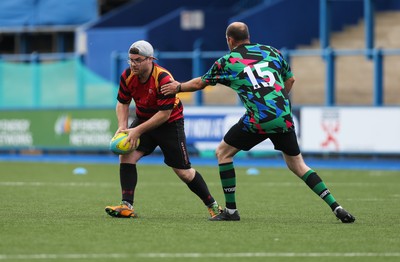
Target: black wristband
178,88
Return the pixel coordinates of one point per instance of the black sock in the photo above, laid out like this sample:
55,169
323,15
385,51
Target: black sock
228,181
128,180
199,187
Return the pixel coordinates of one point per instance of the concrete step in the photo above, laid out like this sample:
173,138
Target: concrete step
354,75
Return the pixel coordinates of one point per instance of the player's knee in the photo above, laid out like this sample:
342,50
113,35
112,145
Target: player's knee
218,154
129,158
223,156
186,175
297,166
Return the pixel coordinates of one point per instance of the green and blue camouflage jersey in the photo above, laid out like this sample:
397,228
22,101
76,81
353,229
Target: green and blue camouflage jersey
257,74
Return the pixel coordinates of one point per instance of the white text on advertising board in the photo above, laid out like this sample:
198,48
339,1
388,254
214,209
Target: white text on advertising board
15,132
204,128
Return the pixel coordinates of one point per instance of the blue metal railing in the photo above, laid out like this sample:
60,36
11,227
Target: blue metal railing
328,54
325,23
197,56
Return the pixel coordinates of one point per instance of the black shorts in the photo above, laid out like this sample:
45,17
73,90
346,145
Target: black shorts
243,140
171,139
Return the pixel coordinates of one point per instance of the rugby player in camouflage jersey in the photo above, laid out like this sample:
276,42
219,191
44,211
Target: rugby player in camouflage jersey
262,79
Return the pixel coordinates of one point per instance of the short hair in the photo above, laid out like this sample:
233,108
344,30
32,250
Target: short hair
238,31
134,51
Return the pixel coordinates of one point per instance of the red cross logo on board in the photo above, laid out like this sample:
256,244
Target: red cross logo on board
331,129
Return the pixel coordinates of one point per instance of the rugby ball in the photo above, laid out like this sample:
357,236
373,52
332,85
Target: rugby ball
117,144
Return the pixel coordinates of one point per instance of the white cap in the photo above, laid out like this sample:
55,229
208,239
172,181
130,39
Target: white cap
143,48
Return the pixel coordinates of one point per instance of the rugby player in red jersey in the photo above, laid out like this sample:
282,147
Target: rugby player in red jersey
158,122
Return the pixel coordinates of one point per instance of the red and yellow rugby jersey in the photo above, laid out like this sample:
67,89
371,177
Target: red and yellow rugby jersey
148,98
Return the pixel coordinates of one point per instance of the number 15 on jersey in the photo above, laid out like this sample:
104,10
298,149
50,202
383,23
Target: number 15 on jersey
263,73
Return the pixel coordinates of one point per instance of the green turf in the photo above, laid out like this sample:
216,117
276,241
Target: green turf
49,214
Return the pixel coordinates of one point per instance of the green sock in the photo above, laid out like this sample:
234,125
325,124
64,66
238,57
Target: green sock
228,182
318,186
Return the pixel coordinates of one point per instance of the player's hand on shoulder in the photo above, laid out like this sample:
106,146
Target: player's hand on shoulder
170,88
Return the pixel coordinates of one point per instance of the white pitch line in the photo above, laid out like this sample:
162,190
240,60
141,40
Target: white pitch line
190,255
77,184
106,184
63,184
263,254
62,256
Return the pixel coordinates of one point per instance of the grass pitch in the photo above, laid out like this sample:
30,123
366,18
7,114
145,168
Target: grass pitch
49,214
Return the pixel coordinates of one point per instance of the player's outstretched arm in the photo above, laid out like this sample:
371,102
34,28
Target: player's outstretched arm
175,87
